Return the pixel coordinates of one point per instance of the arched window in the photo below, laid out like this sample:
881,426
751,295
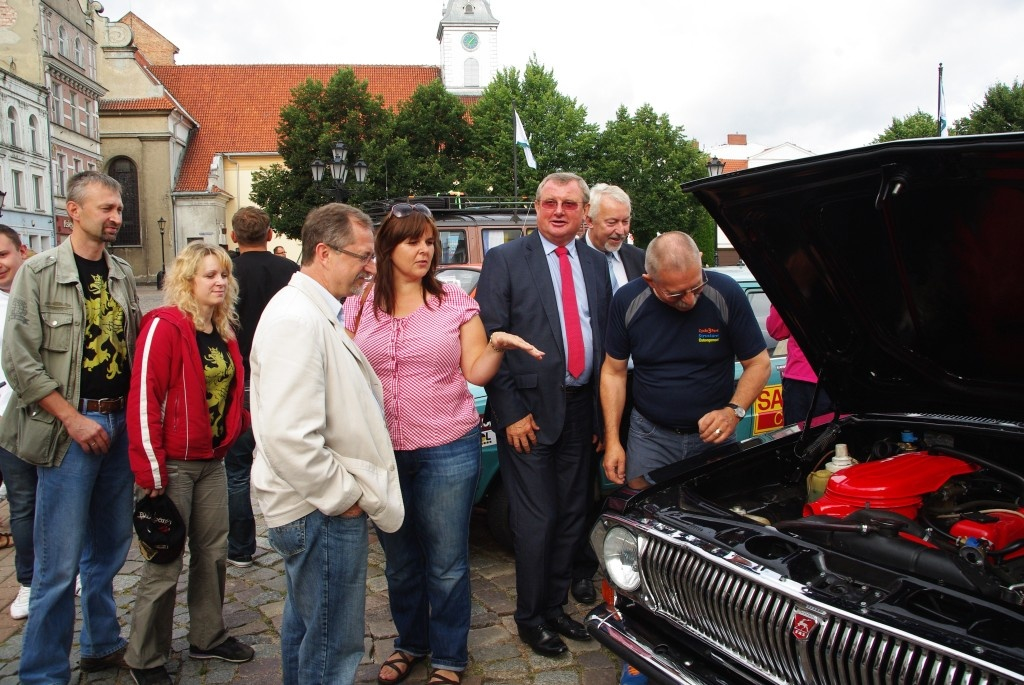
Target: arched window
33,133
79,53
12,126
472,73
62,41
125,171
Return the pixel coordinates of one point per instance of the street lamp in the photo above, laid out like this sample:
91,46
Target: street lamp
715,168
161,223
3,196
339,170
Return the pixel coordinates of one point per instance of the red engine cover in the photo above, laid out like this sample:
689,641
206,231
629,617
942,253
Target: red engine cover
1007,527
895,484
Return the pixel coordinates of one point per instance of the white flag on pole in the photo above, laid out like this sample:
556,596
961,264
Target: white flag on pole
522,142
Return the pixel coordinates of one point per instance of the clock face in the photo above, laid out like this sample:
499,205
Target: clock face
470,41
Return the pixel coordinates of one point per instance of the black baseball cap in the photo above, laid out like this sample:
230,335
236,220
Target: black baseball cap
160,528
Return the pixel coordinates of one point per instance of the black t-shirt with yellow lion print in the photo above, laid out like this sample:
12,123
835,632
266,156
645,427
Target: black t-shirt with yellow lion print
105,369
220,371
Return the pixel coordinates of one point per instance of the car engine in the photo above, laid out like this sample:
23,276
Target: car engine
946,515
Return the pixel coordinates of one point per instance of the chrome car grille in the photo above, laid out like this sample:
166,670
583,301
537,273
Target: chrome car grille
784,638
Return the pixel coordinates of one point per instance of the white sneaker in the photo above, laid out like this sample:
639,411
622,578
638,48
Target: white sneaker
78,585
19,607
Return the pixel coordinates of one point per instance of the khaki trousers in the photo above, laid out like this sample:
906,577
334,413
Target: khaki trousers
199,491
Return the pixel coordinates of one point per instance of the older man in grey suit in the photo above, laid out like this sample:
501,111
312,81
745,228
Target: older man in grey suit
553,290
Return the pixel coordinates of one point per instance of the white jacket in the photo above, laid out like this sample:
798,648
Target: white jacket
321,439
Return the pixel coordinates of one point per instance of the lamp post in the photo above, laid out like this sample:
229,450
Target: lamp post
339,170
161,223
715,168
3,196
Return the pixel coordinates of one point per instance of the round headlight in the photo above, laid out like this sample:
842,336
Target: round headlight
621,559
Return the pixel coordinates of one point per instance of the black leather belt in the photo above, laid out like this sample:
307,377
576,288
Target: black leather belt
107,405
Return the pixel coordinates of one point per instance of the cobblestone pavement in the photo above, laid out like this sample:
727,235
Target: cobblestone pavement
255,601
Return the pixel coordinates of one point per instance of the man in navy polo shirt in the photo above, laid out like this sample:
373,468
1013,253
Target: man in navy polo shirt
683,327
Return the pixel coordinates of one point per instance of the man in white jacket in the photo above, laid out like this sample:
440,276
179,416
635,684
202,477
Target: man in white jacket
324,461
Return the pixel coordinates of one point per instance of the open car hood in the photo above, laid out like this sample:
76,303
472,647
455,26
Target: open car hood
899,268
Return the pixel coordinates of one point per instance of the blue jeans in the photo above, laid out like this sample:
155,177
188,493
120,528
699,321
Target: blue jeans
241,523
21,481
652,447
428,557
83,525
325,568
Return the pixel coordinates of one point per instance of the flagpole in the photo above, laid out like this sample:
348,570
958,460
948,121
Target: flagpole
941,116
515,166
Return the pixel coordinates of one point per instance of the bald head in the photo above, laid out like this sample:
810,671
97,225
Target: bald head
673,251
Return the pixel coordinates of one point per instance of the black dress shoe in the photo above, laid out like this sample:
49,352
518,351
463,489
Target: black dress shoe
583,590
541,640
563,625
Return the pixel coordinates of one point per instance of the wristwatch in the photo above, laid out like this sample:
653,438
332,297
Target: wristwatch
739,411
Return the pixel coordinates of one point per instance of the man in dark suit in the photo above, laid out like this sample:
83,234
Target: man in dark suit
553,290
608,233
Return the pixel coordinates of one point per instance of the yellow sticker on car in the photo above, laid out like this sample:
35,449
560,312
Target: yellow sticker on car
768,410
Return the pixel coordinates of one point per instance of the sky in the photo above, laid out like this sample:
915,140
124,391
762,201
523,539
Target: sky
821,75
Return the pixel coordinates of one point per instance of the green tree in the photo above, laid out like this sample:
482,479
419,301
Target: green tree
650,159
433,127
1002,111
560,136
917,125
316,117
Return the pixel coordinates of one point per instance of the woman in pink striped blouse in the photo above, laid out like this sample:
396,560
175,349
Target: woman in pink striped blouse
424,341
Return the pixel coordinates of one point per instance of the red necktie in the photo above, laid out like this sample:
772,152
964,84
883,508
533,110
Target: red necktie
576,362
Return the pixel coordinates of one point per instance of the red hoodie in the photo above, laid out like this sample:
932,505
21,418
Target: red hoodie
167,415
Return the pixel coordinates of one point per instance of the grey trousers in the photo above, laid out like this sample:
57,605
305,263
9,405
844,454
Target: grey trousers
199,491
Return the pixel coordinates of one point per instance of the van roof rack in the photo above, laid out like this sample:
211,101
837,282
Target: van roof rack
440,205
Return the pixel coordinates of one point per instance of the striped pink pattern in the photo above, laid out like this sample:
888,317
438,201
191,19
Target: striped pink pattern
417,358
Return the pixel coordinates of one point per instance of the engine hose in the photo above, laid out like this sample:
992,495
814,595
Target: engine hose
821,443
987,463
1009,549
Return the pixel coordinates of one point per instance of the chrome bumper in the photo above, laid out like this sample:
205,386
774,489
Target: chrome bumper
607,627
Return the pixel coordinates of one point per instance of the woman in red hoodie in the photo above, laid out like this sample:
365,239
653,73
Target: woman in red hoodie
184,411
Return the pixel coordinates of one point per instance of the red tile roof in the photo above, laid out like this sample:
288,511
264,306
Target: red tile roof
135,105
238,106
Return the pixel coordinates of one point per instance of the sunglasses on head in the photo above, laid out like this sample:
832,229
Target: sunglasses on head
404,209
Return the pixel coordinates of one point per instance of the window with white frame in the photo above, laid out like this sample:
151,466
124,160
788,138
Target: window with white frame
12,126
70,112
78,165
33,133
37,191
472,73
17,188
79,53
56,102
62,174
84,123
62,41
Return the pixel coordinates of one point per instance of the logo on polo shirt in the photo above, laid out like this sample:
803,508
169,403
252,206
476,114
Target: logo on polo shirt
709,335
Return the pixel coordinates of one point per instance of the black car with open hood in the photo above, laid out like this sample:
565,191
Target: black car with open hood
884,544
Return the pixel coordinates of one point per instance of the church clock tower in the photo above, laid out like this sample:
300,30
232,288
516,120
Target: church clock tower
468,33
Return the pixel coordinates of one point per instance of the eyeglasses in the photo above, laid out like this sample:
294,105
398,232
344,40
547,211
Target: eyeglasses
363,258
692,291
404,209
567,205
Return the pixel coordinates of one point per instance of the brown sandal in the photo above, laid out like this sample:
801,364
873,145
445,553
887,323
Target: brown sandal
396,662
437,679
6,540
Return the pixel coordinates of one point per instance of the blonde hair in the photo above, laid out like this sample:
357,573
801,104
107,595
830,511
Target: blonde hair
181,277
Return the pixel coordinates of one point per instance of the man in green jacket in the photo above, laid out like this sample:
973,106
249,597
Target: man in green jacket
72,322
